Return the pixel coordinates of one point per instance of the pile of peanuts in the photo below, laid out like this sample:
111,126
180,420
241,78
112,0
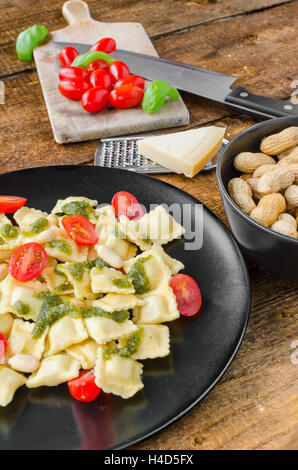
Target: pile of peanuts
267,189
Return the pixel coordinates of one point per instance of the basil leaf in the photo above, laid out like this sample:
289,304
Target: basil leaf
84,60
156,94
27,40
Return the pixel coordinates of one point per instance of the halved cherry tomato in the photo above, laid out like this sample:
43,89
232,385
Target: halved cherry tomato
84,388
27,262
68,73
106,45
67,56
73,89
188,295
101,78
118,69
10,204
95,99
2,346
124,203
80,230
133,79
126,96
97,64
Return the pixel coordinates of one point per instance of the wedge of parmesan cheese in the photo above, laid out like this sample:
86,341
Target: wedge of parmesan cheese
183,152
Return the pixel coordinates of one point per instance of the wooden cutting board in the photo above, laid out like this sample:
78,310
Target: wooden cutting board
70,123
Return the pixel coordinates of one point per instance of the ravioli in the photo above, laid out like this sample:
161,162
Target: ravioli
74,317
118,375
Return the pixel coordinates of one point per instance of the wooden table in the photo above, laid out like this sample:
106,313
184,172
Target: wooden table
255,404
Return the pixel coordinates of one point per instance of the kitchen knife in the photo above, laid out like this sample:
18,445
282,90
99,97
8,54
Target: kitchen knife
202,82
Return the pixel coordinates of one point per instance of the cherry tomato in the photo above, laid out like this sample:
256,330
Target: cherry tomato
118,69
97,64
95,99
27,262
67,56
126,96
125,203
68,73
101,78
2,346
10,204
84,388
106,45
73,89
80,230
133,79
187,294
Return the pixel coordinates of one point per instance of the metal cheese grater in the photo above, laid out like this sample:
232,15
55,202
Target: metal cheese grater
122,153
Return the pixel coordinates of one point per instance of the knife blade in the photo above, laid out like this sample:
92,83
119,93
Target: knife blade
202,82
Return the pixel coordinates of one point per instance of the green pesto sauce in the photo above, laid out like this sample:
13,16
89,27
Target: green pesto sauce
57,271
53,308
132,345
9,231
139,277
77,268
118,316
118,233
61,245
147,240
36,227
62,288
122,283
48,313
78,207
21,308
2,242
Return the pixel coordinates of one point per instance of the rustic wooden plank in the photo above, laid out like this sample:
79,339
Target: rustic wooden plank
255,405
157,17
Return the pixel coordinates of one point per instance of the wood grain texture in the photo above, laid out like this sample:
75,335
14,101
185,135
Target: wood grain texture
69,121
254,406
157,17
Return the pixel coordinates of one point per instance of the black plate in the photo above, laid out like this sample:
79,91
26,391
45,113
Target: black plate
202,347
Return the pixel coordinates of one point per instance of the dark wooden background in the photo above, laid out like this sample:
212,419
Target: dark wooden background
255,405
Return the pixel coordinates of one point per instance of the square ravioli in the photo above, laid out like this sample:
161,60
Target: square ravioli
54,370
118,375
20,340
10,381
103,330
107,280
64,333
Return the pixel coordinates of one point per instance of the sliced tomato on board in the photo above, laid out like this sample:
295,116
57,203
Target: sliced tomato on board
27,262
125,203
3,345
84,388
106,45
80,229
10,204
188,295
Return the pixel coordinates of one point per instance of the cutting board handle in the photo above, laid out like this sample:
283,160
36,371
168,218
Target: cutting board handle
75,11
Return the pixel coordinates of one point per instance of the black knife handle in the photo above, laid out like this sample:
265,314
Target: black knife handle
259,106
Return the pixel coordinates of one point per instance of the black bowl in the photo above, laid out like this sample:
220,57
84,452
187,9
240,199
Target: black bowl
274,251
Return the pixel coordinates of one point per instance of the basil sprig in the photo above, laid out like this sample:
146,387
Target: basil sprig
27,40
84,60
155,95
